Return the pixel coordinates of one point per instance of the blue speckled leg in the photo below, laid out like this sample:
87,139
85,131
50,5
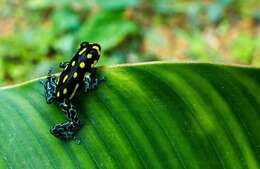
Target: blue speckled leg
91,81
67,130
49,87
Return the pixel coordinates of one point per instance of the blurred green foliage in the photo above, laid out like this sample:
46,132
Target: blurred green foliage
35,35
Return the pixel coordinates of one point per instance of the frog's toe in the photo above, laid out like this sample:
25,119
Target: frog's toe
56,130
77,140
50,70
42,82
59,132
68,135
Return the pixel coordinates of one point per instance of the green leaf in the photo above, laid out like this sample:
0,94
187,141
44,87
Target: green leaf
116,4
107,28
1,69
45,4
65,20
65,44
144,116
242,48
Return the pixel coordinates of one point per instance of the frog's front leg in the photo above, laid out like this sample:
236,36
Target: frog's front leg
49,87
64,64
91,81
67,130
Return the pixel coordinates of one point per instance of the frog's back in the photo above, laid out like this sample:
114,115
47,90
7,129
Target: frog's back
72,76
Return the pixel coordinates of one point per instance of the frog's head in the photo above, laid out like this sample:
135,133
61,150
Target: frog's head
90,52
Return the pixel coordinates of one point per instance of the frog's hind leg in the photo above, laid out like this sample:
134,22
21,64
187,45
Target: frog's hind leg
91,81
49,87
67,130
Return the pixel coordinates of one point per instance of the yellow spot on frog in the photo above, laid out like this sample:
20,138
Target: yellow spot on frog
65,90
95,62
97,48
65,78
75,74
83,50
89,56
82,65
73,63
74,91
58,94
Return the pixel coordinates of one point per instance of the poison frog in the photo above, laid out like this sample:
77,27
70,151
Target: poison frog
79,73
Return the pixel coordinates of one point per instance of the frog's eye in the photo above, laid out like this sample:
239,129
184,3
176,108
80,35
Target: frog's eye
84,44
97,48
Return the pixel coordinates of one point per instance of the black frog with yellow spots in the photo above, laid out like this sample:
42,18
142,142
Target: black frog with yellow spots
77,73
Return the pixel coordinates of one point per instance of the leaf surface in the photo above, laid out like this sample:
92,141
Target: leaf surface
144,116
